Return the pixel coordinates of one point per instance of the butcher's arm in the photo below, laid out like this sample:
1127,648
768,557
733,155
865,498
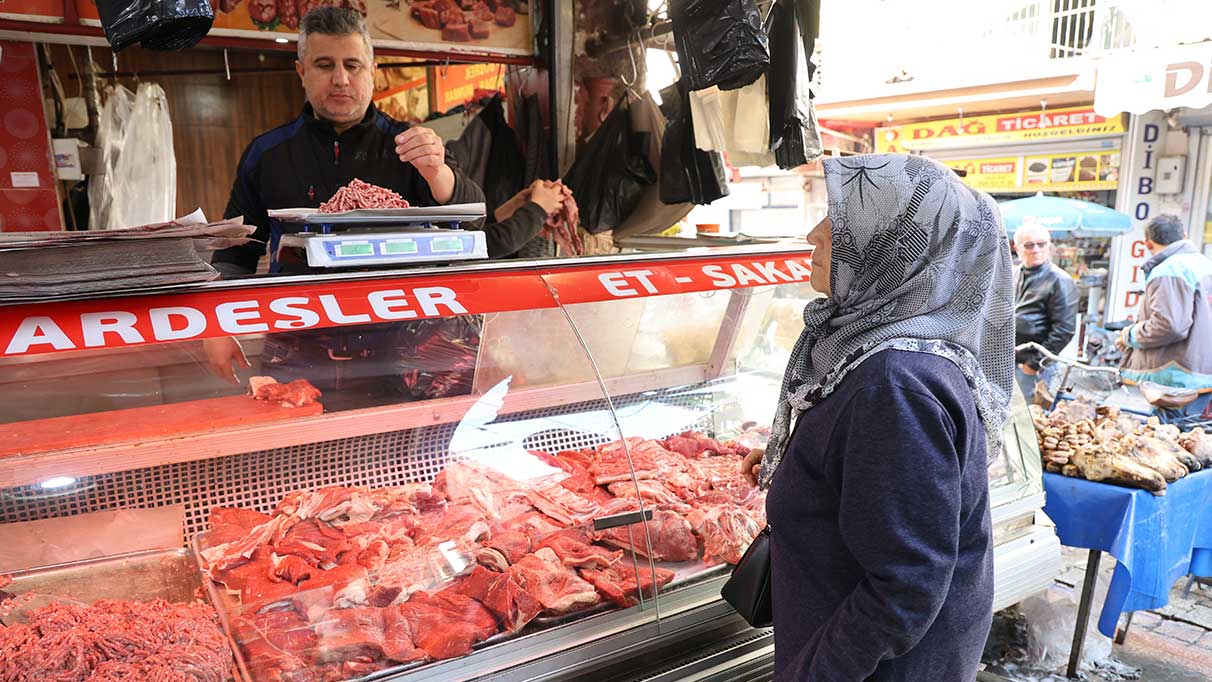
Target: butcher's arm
899,512
1172,311
508,236
1062,315
245,200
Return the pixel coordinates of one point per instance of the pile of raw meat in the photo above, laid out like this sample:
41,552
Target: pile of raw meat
116,640
360,195
298,393
1101,444
339,582
464,20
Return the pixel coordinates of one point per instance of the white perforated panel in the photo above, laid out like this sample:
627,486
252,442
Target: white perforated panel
258,480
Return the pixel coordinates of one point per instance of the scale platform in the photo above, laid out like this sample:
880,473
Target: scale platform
377,237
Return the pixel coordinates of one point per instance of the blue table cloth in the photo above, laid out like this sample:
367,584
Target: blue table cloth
1155,540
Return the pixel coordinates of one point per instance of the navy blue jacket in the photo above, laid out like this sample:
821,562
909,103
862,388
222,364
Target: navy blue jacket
303,163
881,544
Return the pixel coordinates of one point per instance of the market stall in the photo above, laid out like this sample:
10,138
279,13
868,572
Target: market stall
1134,488
545,488
1069,152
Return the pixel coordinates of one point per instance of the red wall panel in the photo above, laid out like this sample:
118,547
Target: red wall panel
28,200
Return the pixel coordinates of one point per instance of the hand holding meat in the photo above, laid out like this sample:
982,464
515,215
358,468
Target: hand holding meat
547,195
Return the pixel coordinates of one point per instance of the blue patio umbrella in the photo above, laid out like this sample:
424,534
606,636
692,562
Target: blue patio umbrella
1064,217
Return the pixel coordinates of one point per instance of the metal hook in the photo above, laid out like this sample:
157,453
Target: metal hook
226,65
635,70
445,68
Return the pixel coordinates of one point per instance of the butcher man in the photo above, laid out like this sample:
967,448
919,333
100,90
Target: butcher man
339,136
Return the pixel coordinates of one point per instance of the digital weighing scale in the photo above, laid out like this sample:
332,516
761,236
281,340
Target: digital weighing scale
386,236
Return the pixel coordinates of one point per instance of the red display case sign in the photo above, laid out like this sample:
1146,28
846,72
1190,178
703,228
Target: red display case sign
207,313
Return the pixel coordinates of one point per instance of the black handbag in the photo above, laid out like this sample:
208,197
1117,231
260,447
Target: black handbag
748,589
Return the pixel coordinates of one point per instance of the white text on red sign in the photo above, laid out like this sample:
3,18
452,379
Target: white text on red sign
639,282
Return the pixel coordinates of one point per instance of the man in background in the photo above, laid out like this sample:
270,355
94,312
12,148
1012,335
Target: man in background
1171,344
1045,309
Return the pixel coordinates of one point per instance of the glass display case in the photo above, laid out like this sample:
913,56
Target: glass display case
520,471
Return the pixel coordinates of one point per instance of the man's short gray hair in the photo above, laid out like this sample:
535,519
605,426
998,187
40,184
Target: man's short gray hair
1021,234
333,21
1165,230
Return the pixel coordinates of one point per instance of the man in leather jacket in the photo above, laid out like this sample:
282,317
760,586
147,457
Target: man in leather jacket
1045,303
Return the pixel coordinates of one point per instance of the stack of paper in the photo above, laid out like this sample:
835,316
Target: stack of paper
38,265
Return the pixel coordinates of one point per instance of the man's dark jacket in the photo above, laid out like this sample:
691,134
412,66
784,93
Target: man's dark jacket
303,163
1045,310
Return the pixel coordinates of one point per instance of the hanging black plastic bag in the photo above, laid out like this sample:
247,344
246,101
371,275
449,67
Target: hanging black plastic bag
610,174
126,22
156,24
688,174
182,24
719,42
793,132
506,165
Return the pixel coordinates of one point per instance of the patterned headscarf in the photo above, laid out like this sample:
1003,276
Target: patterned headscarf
920,263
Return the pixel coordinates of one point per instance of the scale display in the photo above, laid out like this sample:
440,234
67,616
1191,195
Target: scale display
386,248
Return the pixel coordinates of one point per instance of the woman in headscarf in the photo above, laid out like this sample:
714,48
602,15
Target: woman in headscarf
892,403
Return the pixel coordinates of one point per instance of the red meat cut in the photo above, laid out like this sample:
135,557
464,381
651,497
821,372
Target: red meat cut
290,568
558,588
671,536
427,15
618,582
501,594
512,545
611,463
563,505
399,643
440,632
726,532
456,33
350,635
695,444
506,16
573,549
297,393
652,492
228,524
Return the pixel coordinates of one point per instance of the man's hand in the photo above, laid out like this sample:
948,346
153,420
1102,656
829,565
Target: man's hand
422,147
752,465
1121,341
221,354
547,196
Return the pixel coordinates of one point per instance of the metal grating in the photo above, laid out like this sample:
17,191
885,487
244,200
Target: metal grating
258,480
